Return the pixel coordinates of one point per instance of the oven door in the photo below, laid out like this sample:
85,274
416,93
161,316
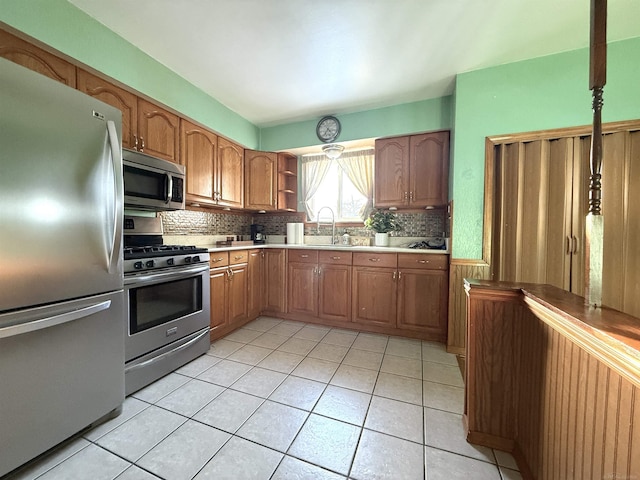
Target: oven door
165,306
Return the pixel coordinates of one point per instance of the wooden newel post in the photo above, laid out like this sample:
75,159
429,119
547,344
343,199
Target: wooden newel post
595,222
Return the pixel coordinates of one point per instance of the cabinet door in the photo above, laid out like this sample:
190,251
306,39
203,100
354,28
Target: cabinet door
429,169
218,287
198,148
391,180
374,296
275,280
238,294
303,288
23,53
159,131
334,290
422,301
229,178
260,169
117,97
256,283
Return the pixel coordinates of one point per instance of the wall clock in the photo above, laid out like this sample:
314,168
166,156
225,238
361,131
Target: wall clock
328,129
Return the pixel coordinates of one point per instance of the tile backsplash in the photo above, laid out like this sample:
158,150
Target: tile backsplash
430,223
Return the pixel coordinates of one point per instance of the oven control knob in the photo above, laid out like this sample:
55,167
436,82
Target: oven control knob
170,261
150,263
196,259
137,265
187,259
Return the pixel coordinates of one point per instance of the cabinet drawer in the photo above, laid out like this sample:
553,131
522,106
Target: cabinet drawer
335,257
374,259
218,259
238,256
303,256
426,261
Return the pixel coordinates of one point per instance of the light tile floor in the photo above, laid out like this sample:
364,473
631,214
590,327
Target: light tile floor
288,400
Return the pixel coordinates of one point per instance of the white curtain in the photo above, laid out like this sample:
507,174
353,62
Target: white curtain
314,169
358,165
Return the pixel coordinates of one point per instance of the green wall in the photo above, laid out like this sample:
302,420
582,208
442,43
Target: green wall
69,30
536,94
434,114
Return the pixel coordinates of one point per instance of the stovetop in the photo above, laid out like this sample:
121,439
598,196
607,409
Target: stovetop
151,251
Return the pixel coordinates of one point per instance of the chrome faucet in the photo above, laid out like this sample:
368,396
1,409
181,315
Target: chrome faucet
333,224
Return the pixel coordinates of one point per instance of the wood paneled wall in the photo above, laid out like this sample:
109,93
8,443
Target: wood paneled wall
563,412
459,270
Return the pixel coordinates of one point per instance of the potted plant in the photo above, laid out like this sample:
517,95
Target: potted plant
382,222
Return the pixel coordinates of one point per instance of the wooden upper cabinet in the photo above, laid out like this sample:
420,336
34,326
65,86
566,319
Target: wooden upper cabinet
117,97
230,174
261,180
391,177
198,148
23,53
412,171
159,131
429,169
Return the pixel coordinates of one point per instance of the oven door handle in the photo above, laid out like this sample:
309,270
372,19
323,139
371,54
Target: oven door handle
173,351
165,276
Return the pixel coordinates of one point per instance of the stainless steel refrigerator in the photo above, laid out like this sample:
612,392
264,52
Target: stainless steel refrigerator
61,280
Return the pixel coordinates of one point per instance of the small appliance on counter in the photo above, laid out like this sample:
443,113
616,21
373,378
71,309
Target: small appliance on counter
257,234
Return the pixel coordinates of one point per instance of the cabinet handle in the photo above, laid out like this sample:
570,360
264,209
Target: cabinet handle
216,260
421,261
399,275
335,258
238,257
142,144
568,249
406,195
319,271
411,196
230,274
304,256
394,275
135,141
575,244
374,259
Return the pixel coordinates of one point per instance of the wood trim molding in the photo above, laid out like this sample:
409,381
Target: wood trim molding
612,352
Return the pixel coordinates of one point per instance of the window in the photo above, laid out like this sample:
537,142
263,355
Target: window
345,185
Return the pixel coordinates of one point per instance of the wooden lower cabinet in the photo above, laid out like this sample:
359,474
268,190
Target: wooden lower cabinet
334,292
238,308
374,296
228,292
275,279
256,285
219,291
422,302
303,288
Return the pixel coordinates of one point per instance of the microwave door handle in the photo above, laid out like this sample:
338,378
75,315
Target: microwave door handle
169,187
116,162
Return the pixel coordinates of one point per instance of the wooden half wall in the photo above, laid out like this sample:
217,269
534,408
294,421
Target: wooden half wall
553,381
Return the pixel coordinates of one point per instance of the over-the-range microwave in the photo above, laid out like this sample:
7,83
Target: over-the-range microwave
151,183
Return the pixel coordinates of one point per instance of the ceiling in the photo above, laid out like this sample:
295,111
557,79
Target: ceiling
280,61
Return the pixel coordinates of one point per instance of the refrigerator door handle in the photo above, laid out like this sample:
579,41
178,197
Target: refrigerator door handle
34,325
116,161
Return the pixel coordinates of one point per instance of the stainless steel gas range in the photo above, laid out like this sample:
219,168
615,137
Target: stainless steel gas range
166,300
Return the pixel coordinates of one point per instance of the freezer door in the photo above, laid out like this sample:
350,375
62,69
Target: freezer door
60,191
62,368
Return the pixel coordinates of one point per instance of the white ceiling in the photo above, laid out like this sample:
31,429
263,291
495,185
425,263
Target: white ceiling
281,61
